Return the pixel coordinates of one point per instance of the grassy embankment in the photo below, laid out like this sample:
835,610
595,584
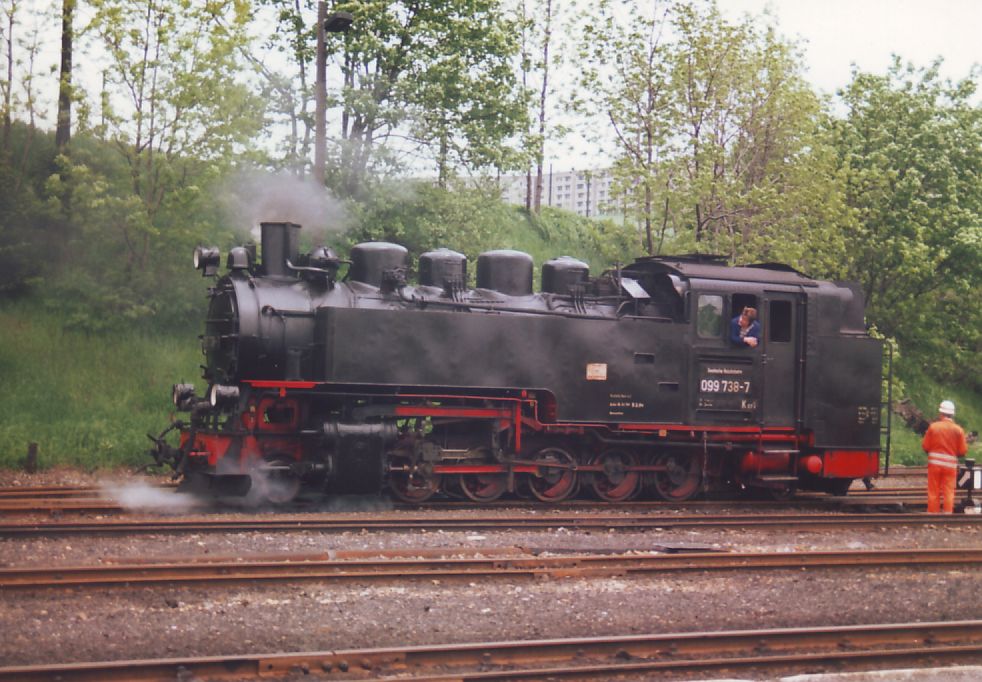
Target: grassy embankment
926,394
86,400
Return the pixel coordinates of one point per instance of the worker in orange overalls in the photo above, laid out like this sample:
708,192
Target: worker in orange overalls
944,443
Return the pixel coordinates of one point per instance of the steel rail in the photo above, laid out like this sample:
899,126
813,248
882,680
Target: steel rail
492,564
334,524
842,647
79,505
18,498
60,504
20,492
46,493
63,489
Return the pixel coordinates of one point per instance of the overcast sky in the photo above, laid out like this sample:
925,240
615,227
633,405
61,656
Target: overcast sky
836,33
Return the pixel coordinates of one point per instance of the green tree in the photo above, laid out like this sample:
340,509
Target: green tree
626,80
432,79
8,25
176,96
175,111
288,87
422,216
721,143
536,26
30,228
909,145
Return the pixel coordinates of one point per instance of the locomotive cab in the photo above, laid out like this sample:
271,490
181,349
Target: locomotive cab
731,377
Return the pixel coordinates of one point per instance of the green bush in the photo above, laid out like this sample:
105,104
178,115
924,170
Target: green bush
470,219
926,393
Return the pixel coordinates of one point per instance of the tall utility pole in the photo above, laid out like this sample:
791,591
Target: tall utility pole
336,22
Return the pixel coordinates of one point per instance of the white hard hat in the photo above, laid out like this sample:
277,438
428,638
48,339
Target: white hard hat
947,407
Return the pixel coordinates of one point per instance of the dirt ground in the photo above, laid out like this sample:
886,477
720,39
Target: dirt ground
174,620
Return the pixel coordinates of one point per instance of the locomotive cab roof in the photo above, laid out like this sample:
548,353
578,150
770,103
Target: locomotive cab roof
702,266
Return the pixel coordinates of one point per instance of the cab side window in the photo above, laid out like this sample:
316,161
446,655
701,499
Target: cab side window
779,316
709,316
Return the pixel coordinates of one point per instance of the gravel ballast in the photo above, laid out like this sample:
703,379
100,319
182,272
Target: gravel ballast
65,625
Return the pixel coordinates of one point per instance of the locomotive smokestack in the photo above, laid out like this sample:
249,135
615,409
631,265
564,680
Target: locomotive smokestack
281,243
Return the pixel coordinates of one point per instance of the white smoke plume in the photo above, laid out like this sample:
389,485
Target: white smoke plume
254,196
139,496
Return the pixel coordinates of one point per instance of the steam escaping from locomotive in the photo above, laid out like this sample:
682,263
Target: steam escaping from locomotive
255,196
332,376
139,496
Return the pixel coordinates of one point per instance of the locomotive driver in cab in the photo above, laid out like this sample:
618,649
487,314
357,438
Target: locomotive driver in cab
745,329
944,442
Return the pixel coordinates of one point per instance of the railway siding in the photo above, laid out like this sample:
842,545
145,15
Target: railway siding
584,594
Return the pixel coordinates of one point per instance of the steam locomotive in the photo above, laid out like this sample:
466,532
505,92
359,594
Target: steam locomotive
619,385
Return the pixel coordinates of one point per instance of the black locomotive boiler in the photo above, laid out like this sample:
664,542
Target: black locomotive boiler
620,385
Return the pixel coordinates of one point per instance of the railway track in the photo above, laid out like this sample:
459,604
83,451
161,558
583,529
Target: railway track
605,522
406,565
78,501
70,491
839,648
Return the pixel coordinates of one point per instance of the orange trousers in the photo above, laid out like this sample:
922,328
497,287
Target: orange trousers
940,482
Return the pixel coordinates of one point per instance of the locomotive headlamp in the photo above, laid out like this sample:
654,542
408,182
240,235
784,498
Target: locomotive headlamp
207,259
220,396
182,395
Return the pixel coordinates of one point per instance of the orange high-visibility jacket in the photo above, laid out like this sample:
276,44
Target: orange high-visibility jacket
944,442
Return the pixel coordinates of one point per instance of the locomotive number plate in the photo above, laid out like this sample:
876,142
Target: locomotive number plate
725,387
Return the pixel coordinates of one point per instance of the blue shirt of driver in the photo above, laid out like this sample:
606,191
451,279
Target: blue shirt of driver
737,335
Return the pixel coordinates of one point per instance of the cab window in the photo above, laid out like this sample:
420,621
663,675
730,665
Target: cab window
709,316
779,316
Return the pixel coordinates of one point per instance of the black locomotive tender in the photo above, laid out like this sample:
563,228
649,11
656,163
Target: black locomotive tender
622,384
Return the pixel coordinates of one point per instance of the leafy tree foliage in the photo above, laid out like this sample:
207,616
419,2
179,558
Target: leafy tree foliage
625,63
720,147
175,114
719,138
31,228
437,75
422,216
101,280
289,88
471,219
909,146
537,28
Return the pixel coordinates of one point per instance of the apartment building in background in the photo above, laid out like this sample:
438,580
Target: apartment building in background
585,192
